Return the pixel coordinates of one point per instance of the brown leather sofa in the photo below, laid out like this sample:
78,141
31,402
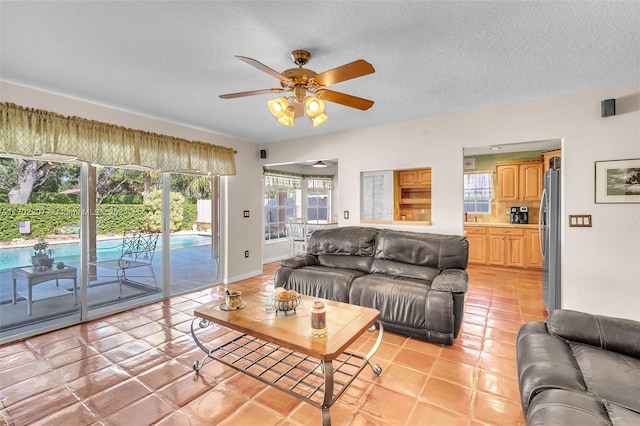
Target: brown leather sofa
416,280
579,369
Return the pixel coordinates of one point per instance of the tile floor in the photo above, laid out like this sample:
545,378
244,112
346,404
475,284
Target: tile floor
134,368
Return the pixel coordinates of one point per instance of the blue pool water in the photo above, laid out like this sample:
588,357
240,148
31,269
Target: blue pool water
70,252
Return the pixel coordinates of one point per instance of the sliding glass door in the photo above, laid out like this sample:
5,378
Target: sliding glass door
194,232
39,244
124,218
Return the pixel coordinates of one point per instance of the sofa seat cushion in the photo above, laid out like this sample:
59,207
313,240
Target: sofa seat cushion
609,375
405,301
323,282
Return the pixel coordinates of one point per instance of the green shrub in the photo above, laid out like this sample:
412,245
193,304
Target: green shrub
189,215
47,219
64,218
152,220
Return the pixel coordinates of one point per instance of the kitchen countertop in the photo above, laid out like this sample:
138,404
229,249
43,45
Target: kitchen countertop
503,225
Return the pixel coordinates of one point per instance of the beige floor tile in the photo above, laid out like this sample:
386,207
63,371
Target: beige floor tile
138,365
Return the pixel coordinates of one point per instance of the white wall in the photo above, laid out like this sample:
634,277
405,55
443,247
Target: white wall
600,265
244,189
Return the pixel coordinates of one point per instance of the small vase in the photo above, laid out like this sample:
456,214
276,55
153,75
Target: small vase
41,262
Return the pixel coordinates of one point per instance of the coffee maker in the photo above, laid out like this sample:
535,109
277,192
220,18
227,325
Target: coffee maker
519,215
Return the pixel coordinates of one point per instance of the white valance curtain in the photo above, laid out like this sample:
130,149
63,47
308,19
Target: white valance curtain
322,184
45,135
479,186
272,181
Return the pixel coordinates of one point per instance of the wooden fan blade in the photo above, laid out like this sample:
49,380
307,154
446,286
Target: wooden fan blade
345,72
250,93
264,68
344,99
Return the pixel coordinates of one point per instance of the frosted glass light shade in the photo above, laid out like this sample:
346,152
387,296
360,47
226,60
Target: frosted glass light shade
318,120
314,107
278,106
288,117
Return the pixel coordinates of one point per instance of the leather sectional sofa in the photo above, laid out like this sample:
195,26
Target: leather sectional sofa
416,280
580,369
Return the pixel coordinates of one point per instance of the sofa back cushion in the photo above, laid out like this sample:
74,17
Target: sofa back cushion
391,267
348,240
358,263
423,249
610,333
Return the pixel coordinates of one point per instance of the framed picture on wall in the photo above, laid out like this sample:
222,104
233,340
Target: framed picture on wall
618,181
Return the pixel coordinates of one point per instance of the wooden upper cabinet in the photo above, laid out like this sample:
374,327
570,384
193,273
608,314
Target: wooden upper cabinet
408,178
519,181
413,195
547,156
420,177
508,183
531,182
424,177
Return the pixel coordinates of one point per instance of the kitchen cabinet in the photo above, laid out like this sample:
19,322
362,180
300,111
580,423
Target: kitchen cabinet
505,246
532,253
413,195
547,156
519,181
477,238
412,178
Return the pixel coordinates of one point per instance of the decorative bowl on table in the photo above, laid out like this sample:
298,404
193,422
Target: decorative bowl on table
285,300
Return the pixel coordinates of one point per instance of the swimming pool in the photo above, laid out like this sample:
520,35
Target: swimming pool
70,252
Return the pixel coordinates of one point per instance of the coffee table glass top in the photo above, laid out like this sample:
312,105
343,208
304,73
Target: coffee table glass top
345,323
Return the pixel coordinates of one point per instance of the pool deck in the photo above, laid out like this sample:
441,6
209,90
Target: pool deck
191,268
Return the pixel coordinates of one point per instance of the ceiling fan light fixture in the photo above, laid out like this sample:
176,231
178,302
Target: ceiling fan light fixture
319,119
287,118
314,107
305,87
319,164
278,106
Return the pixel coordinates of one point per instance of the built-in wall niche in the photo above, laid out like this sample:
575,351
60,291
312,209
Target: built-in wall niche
396,196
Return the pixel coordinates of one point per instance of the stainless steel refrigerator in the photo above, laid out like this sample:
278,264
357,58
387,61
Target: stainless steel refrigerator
549,229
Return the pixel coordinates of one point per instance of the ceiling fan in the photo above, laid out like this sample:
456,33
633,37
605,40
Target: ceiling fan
307,90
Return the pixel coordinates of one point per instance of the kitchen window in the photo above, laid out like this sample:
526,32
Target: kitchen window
478,192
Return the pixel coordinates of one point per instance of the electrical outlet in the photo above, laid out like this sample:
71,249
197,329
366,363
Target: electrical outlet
246,253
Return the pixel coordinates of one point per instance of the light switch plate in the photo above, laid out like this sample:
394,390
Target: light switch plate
580,221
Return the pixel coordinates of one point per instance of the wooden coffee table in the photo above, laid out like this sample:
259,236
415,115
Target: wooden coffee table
277,349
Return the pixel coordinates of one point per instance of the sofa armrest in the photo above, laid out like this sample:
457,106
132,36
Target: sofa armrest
544,362
288,265
299,261
451,280
609,333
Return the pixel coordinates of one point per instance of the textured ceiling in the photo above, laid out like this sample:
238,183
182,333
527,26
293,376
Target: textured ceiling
171,60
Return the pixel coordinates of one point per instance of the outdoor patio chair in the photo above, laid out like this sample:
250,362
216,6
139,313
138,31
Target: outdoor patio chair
136,251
